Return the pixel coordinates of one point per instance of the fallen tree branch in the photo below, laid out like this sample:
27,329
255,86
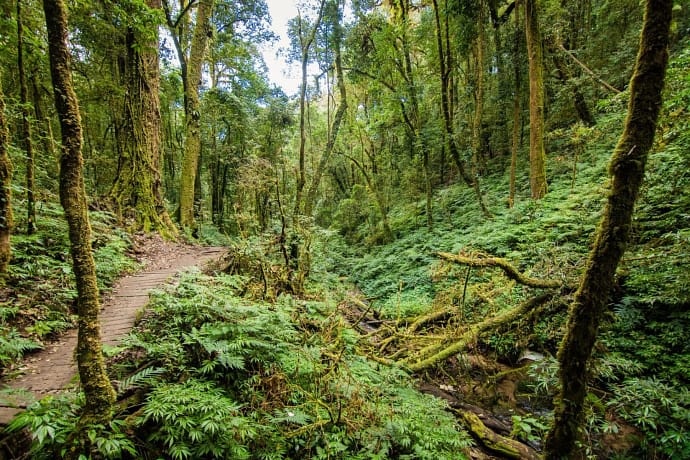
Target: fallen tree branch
509,269
468,336
506,447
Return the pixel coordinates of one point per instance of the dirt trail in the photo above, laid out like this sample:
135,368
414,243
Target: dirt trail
53,368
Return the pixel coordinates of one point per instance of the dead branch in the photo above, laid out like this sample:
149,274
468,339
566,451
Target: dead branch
509,269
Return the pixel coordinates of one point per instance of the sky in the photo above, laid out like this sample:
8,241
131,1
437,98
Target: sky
279,72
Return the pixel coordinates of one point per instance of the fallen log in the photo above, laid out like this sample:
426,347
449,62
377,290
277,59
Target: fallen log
469,336
508,448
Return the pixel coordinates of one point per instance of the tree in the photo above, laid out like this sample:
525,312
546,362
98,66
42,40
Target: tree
333,16
537,154
26,126
5,191
446,62
191,65
137,187
627,170
98,391
306,36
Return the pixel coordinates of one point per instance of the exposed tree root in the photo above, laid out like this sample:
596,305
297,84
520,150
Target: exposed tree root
469,336
509,269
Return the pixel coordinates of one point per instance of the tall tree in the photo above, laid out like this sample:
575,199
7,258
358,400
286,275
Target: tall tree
137,187
446,62
306,36
191,65
5,191
26,125
334,16
98,391
627,170
537,153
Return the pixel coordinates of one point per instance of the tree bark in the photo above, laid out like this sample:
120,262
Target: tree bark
136,190
26,126
5,192
192,148
537,154
94,380
627,170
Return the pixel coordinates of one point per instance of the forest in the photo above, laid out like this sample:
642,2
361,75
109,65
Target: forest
465,236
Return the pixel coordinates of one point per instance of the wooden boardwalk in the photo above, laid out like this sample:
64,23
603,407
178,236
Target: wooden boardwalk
53,368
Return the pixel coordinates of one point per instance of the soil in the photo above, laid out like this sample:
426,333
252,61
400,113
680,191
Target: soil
53,369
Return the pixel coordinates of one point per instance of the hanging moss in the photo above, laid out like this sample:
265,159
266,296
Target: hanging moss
627,171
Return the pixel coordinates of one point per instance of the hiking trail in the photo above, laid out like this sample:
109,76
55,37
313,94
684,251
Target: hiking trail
50,370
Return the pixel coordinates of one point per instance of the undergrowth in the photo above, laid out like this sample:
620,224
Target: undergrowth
208,374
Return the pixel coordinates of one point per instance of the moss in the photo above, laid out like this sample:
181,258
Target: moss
99,394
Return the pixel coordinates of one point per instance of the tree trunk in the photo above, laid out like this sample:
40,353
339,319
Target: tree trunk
516,112
26,126
94,380
136,190
337,119
5,192
192,147
537,154
627,170
306,41
445,63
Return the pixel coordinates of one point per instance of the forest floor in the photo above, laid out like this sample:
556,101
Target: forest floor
52,369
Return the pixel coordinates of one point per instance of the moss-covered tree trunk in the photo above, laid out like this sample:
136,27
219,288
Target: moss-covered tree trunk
537,153
627,171
192,146
136,191
5,191
98,391
26,125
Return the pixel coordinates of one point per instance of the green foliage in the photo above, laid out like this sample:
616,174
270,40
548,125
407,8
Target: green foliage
660,411
195,419
52,422
13,346
224,377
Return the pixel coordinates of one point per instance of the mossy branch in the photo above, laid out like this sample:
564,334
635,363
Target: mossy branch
468,336
509,269
506,447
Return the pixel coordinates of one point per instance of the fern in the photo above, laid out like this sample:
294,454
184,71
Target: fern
141,378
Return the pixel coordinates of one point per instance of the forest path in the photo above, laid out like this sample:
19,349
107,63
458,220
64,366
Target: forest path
53,368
